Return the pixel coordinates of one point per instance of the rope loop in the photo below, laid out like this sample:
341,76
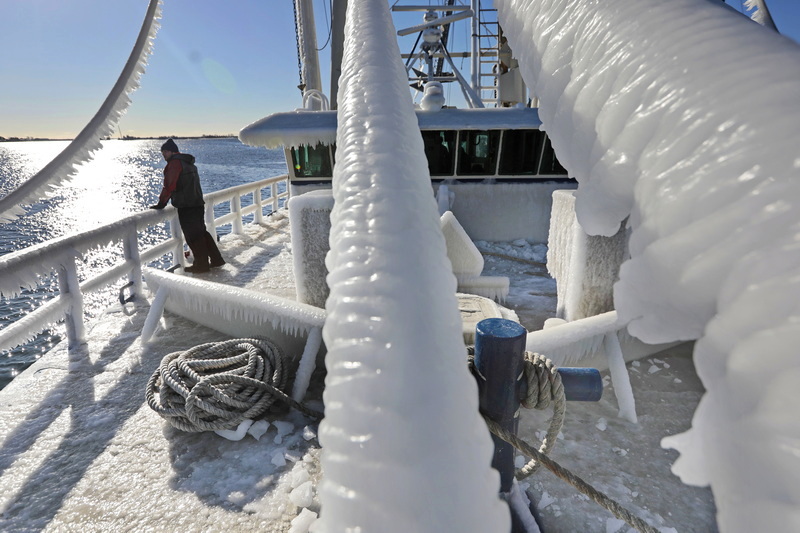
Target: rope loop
544,388
218,385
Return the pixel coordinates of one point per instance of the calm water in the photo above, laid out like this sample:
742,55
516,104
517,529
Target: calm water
123,178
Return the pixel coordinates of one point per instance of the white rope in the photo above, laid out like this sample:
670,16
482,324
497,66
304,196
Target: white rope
216,386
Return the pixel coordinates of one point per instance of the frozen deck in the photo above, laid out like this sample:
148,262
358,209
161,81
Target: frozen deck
81,450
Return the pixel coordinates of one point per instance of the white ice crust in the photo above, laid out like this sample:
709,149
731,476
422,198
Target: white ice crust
397,393
681,117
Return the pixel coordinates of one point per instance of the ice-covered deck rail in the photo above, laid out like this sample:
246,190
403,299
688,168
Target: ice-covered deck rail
26,267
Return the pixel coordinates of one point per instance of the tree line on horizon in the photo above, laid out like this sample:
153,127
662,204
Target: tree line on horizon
124,137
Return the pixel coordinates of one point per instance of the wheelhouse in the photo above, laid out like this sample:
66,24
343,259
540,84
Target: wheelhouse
460,144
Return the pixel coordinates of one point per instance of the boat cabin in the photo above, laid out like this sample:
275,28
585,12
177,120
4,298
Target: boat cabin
496,165
461,144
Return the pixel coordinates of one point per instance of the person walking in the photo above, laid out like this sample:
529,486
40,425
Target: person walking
182,187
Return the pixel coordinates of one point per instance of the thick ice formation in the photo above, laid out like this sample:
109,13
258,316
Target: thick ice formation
682,116
310,214
397,393
466,259
234,305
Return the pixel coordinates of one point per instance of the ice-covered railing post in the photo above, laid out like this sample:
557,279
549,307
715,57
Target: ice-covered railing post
130,247
69,287
404,447
681,115
177,235
236,207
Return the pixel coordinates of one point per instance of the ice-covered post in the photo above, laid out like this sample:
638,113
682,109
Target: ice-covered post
236,207
130,247
69,287
175,230
259,203
274,193
404,446
211,224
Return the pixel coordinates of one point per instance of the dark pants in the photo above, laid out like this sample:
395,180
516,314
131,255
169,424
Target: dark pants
202,244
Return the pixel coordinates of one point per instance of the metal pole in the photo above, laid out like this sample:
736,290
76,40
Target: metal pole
476,47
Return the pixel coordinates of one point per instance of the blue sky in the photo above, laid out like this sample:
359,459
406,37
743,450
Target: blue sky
216,66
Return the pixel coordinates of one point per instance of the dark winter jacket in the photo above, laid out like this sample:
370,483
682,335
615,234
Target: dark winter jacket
181,183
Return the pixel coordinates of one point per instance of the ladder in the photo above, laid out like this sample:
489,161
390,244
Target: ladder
488,47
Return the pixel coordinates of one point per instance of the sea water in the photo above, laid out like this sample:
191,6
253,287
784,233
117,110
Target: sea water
123,178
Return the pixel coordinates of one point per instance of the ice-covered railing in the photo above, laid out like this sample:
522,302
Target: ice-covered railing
27,267
682,115
404,447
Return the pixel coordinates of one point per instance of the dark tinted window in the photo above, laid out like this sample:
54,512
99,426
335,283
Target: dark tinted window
550,164
440,149
520,152
312,162
477,152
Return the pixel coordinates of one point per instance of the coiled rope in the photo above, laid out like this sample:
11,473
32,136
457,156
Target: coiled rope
544,388
218,385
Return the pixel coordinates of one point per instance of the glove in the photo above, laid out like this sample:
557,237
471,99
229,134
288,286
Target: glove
157,206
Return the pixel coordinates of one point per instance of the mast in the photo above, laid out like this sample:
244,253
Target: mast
338,16
475,56
311,82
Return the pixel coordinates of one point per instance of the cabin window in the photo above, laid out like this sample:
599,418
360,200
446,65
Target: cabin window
440,150
521,151
312,162
477,154
550,164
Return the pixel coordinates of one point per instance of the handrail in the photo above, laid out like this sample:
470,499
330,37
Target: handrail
26,267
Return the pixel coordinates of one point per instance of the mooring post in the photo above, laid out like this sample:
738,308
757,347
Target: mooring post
499,364
499,360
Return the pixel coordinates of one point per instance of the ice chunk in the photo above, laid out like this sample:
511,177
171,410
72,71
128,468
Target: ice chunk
303,495
302,522
235,434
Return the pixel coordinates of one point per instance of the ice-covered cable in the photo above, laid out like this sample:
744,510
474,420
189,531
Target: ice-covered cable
88,140
682,116
761,13
395,348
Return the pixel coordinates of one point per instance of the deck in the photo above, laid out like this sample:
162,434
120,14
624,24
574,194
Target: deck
80,448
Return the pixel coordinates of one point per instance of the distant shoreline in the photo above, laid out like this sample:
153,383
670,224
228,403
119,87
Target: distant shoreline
123,138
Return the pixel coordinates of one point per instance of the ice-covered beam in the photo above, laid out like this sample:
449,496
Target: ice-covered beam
404,448
682,116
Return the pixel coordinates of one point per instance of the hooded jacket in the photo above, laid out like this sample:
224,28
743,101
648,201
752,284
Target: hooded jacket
181,183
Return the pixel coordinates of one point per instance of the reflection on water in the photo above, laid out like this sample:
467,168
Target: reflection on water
124,177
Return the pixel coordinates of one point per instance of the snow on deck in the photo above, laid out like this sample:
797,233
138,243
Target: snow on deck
80,449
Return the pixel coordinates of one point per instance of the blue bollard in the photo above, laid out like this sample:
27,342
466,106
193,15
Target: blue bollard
499,360
499,356
499,363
